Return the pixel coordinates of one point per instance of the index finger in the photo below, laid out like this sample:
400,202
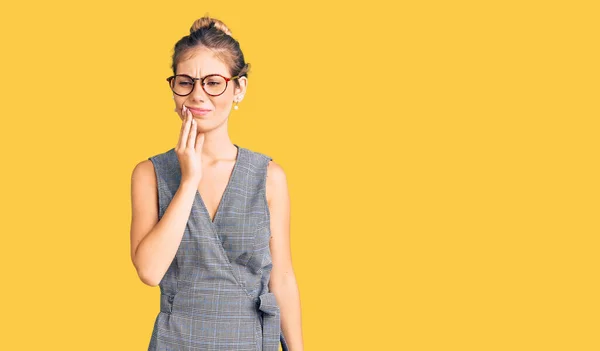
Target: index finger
184,122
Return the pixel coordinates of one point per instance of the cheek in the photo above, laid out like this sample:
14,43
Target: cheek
222,105
178,103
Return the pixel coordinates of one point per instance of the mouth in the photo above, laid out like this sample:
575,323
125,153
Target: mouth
199,112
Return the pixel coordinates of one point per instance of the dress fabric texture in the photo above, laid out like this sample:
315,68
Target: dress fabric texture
215,295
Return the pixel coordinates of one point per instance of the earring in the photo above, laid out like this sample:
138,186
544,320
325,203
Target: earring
236,105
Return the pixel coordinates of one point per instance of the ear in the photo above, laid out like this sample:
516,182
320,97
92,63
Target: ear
243,86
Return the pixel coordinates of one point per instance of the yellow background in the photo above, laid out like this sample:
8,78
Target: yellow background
442,160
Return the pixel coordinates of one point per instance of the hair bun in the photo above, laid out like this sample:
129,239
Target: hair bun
208,22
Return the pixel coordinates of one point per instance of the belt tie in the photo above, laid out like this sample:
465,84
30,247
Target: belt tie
271,327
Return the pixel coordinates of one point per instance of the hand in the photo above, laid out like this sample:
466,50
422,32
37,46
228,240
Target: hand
189,149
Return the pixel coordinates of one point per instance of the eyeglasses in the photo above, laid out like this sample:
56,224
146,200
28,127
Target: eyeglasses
212,84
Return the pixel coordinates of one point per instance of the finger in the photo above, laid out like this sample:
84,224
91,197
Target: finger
183,120
186,130
192,137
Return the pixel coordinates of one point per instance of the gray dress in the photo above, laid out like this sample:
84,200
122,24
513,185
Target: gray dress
215,295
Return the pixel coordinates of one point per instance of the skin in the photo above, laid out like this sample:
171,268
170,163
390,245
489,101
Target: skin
207,157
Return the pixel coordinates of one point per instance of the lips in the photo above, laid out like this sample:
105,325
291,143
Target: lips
198,110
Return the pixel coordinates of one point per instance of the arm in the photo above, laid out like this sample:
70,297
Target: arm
154,243
283,281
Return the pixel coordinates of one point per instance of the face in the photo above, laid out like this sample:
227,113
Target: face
202,63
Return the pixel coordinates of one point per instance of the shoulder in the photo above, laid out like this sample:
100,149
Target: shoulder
143,167
162,157
161,163
275,172
143,172
276,181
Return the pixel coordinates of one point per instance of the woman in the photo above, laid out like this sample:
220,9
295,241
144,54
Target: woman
210,219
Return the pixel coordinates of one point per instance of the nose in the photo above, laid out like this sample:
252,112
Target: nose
198,93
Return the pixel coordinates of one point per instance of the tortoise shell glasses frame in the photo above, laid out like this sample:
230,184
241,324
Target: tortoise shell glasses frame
193,80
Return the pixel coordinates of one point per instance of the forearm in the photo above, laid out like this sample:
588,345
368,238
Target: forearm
156,251
288,298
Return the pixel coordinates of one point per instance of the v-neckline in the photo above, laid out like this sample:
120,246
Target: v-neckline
213,222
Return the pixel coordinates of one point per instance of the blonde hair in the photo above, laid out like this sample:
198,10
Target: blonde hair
206,22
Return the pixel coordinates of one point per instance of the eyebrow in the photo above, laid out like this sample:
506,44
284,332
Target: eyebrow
206,75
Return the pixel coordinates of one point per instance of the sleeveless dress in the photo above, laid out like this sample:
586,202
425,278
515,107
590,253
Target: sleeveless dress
215,294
